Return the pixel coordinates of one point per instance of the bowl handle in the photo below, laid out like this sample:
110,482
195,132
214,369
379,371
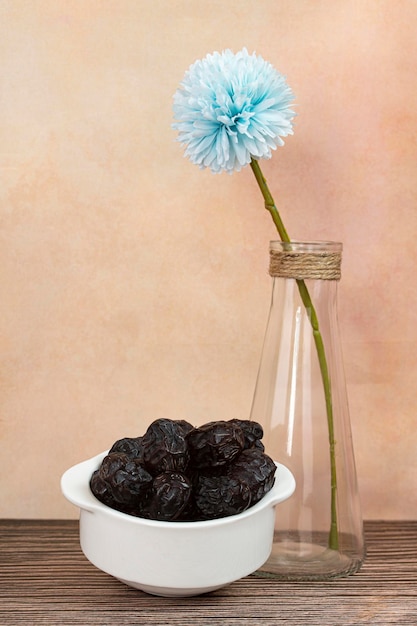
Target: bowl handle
76,489
287,484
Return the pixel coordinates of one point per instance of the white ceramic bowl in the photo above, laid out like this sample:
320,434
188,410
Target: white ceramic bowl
174,558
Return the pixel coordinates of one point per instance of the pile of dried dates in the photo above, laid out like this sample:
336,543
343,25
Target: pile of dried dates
177,472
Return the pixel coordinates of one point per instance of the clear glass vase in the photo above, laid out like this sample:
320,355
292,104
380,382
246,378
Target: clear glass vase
300,399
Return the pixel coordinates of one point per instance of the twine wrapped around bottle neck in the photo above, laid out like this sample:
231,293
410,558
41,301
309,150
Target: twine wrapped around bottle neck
319,265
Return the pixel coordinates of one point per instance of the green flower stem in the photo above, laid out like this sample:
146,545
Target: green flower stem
269,200
333,540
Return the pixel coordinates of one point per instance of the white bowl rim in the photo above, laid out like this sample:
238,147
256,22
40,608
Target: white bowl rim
75,486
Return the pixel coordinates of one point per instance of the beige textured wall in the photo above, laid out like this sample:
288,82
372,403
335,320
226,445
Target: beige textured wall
134,286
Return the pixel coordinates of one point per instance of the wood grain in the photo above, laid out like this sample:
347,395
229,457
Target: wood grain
45,579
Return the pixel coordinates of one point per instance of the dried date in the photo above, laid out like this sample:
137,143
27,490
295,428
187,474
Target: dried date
132,446
102,491
221,496
215,444
164,446
125,478
171,492
253,433
257,470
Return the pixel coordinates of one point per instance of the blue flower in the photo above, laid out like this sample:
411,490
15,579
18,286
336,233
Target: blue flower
231,108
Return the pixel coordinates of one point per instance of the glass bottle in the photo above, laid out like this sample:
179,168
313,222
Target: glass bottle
300,399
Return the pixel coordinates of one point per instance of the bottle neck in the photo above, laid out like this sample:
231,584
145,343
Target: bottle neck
305,260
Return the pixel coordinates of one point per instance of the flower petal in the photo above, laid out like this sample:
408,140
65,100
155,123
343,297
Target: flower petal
230,108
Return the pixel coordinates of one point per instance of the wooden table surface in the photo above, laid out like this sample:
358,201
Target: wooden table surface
45,579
